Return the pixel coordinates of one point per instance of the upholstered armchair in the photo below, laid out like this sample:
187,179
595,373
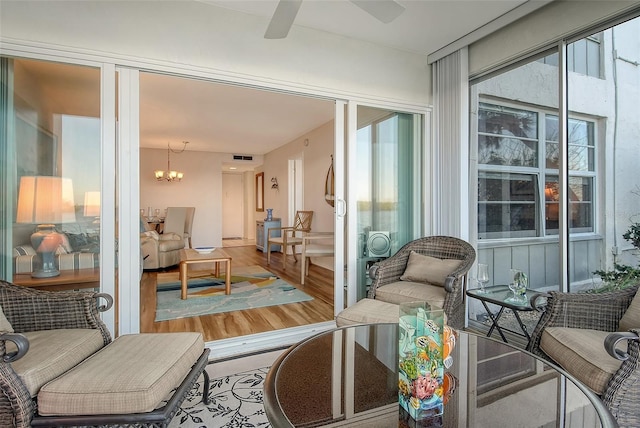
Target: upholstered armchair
594,337
160,251
41,322
432,269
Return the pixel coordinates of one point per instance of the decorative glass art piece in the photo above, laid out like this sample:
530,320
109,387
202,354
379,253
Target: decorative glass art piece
425,345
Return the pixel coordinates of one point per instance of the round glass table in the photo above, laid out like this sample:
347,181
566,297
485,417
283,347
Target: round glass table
349,377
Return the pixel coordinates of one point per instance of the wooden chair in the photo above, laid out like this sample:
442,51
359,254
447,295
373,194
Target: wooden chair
317,244
291,235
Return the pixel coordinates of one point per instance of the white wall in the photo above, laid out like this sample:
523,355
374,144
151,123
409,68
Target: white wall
201,187
204,38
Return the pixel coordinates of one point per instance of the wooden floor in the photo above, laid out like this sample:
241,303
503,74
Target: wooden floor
319,285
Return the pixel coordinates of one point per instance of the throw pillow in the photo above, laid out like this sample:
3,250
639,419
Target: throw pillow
631,318
5,325
431,270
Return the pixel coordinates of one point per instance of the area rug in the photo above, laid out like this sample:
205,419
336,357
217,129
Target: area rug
236,402
251,287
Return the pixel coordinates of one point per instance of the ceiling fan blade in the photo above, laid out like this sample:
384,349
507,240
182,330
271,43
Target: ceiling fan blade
282,19
383,10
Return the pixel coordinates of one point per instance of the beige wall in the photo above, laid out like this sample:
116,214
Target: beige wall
201,187
316,159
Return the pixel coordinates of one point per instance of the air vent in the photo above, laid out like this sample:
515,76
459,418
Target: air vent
242,157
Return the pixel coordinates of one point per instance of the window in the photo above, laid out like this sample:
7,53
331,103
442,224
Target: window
583,56
511,173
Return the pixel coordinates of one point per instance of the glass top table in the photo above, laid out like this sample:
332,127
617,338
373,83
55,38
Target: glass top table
348,377
502,296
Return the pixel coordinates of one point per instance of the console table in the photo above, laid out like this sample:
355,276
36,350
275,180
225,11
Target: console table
71,279
262,233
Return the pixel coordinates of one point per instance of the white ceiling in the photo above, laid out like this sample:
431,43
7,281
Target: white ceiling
230,119
424,27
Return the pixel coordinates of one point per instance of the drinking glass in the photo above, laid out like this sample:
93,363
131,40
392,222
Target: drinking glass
483,276
518,284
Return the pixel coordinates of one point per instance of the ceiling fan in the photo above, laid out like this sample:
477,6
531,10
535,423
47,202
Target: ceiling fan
286,11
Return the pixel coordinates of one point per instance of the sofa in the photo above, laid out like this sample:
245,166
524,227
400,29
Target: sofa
77,251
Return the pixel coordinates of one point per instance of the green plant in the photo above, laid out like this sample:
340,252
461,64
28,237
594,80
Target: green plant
633,235
621,276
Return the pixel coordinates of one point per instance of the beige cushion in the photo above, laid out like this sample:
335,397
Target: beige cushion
131,375
581,352
405,291
368,311
427,269
631,318
5,325
53,352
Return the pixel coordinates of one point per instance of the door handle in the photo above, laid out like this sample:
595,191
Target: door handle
341,207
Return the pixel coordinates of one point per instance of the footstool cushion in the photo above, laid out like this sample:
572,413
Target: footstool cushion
133,374
368,311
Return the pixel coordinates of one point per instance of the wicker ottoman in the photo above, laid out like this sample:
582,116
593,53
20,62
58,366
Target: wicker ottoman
368,311
127,382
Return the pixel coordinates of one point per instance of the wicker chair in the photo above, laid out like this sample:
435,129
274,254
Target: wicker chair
595,314
390,270
29,310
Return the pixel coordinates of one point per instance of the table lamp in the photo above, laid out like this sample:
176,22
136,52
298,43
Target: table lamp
45,201
92,205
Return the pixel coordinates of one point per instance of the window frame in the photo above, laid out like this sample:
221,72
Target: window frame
541,172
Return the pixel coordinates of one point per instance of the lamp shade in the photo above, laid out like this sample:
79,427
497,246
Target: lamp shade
92,204
45,200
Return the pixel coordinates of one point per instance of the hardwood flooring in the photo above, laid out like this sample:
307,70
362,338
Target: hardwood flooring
319,285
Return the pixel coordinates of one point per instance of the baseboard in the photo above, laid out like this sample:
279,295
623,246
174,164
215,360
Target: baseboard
265,341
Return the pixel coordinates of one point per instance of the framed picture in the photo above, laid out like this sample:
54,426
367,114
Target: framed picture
36,149
260,191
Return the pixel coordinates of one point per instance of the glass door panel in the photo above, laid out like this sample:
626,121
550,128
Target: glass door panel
604,196
384,186
514,137
55,186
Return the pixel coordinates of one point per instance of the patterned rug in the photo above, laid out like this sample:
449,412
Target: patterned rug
236,402
251,287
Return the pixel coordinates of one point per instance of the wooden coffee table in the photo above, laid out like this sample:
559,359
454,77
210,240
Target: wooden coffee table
190,257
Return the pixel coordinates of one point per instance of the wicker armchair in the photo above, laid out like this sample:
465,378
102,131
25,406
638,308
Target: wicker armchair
28,310
390,270
584,315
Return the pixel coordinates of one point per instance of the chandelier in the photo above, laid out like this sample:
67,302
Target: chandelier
169,174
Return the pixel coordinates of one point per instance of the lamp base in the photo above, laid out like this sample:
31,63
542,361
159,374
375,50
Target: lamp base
46,240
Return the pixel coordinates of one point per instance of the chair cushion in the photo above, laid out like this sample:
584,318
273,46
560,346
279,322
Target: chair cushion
427,269
52,353
631,318
405,291
133,374
368,311
5,325
581,352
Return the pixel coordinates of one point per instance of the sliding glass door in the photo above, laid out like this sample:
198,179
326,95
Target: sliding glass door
384,177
